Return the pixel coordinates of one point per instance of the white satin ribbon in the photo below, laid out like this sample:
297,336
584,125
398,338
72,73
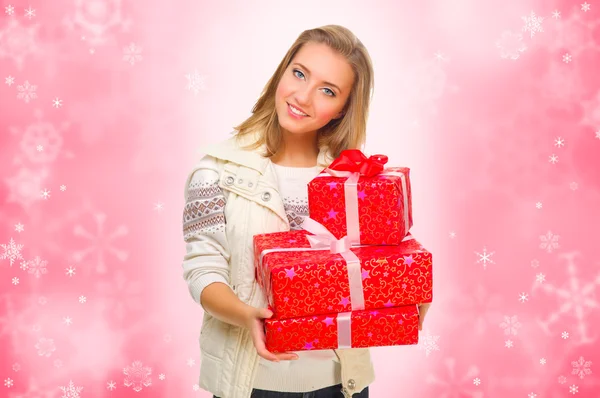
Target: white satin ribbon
344,328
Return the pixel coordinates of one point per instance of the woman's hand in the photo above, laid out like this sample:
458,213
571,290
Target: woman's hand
254,322
423,308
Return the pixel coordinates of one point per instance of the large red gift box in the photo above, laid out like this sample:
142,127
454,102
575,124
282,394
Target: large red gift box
367,328
299,280
374,210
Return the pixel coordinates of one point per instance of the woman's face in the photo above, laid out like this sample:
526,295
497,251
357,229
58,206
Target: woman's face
318,81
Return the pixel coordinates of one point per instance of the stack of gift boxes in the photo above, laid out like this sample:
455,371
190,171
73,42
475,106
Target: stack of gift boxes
354,275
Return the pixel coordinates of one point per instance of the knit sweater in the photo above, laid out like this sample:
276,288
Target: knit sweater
312,370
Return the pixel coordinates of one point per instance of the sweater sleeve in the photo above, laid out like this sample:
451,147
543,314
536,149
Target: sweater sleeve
207,256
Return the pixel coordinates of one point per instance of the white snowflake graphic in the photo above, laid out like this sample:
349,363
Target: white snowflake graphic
565,335
71,391
37,267
70,271
451,385
542,361
523,297
132,54
45,194
12,252
19,227
556,14
549,242
195,82
585,7
540,278
9,81
567,58
508,343
559,142
111,385
573,389
477,381
10,10
581,367
576,298
15,281
137,376
57,102
29,13
510,325
485,258
27,91
8,382
553,159
533,24
101,242
428,342
511,45
45,347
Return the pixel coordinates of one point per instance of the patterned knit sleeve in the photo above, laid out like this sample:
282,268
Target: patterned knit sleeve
207,256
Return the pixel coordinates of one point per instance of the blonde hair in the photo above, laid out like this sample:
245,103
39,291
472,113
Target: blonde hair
346,132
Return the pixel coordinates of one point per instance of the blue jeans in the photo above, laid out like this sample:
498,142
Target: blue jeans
327,392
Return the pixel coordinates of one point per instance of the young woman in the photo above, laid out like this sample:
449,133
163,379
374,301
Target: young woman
313,107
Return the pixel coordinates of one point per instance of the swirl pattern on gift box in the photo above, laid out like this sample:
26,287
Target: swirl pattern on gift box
367,328
308,281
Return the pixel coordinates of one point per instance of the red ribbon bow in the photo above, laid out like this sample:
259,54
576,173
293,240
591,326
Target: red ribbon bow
355,161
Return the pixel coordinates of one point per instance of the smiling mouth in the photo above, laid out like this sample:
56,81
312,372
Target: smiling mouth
294,108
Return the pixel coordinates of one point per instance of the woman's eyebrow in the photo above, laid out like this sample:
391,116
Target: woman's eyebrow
306,69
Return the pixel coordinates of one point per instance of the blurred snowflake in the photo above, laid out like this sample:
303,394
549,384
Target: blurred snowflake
575,297
18,41
451,385
533,24
511,325
132,54
549,242
96,19
581,367
195,82
511,45
428,342
71,391
101,242
137,375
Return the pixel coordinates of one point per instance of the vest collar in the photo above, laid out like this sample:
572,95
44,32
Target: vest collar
230,150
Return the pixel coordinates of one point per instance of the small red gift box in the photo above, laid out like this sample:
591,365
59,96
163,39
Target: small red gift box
300,280
367,328
357,197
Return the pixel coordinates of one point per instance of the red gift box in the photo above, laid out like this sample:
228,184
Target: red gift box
369,204
367,328
300,280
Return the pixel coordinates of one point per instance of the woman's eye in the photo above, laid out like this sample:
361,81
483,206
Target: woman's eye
296,70
331,91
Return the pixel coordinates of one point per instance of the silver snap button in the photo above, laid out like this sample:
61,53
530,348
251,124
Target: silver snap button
351,384
266,196
229,180
240,181
250,185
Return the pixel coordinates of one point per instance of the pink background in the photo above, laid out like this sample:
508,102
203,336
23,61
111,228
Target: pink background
499,125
